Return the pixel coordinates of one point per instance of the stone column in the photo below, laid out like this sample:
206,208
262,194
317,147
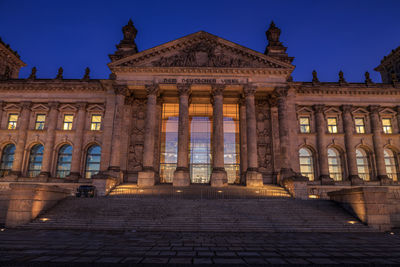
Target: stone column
398,118
78,140
243,140
321,144
51,122
253,177
350,145
1,111
23,122
181,174
147,176
218,175
376,128
120,92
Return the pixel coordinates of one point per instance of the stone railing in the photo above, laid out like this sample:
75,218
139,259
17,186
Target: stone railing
369,204
27,201
296,186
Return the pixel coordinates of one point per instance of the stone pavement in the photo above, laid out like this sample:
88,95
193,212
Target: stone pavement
58,247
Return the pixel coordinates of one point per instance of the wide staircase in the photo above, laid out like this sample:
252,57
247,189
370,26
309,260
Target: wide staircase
199,208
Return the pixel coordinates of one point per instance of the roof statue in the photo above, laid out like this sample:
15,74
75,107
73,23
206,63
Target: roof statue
127,46
275,48
32,76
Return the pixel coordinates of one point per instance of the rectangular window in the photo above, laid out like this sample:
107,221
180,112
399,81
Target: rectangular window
68,120
12,121
304,124
332,125
95,123
360,125
39,123
387,126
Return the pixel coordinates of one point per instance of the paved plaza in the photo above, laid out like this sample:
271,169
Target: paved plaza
67,247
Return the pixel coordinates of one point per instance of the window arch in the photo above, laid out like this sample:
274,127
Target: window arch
335,164
7,159
391,164
93,157
35,160
306,163
64,161
363,164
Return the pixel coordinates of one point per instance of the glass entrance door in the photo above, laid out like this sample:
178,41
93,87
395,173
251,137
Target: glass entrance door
200,118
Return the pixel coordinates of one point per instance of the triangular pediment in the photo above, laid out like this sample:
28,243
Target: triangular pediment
199,50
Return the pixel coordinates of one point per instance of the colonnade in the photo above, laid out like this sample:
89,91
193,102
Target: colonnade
218,176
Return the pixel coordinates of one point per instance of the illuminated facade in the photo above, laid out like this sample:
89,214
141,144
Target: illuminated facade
197,110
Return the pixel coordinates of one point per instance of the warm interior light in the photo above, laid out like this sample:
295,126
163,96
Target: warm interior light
257,192
219,191
178,191
44,219
351,222
390,232
141,190
312,196
2,229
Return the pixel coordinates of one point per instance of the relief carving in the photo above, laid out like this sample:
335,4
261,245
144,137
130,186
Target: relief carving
135,153
264,138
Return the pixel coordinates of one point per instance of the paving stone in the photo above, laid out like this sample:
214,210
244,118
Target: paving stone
202,261
109,259
85,259
132,260
228,261
180,261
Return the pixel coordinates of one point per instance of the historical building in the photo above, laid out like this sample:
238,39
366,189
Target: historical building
199,109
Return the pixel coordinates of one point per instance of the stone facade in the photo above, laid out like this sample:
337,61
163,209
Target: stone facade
115,127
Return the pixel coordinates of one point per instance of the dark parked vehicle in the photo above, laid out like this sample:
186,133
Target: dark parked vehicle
86,191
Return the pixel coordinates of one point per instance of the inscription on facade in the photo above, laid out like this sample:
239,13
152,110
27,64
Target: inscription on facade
201,81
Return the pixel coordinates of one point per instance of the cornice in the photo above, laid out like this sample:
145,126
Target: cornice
50,85
11,55
184,70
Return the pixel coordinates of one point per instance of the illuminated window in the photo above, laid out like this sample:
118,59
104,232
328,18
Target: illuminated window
12,121
169,142
306,163
68,120
35,160
304,124
334,164
231,142
387,125
7,159
332,125
391,164
362,164
92,161
95,123
360,125
39,123
64,161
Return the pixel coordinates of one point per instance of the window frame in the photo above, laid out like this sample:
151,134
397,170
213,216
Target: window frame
393,165
15,123
366,176
329,127
86,170
71,124
338,157
311,165
6,171
57,171
305,125
32,172
386,127
98,125
40,122
356,126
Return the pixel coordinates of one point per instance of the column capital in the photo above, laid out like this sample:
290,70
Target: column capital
217,89
53,104
25,104
120,90
374,109
152,89
281,92
319,108
347,108
81,105
249,90
183,89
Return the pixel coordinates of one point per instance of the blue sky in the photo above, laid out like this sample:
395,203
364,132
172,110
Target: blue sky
328,36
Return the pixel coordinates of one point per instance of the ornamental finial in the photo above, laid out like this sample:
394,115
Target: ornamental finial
60,74
32,76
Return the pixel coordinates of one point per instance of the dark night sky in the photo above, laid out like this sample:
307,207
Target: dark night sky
323,35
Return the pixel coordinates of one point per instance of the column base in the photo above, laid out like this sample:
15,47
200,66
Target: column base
326,180
181,177
254,179
44,175
356,180
219,178
385,180
73,176
146,178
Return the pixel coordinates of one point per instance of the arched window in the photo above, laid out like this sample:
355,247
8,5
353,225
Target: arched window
35,160
335,164
306,163
92,161
7,159
363,164
391,164
64,161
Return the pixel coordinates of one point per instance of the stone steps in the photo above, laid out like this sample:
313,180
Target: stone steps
166,211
